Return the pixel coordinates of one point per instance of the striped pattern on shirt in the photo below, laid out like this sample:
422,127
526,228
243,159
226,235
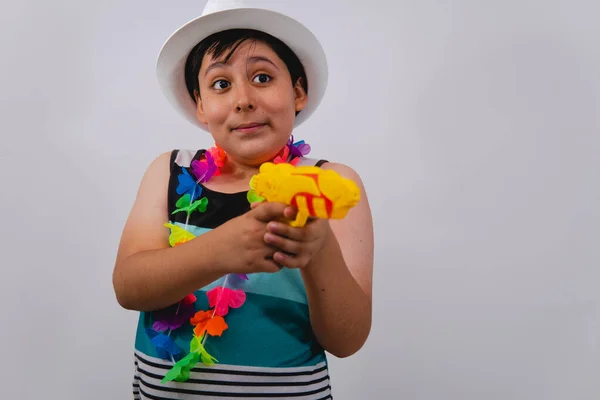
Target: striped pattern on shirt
230,382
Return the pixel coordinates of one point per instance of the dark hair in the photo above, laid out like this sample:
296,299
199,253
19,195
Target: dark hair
217,43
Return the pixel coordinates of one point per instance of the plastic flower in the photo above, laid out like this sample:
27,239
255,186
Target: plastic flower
172,317
181,370
205,321
187,185
205,169
298,149
222,298
185,204
282,156
178,235
197,347
189,299
218,155
165,346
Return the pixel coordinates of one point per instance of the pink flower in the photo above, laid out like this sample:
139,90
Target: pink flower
222,298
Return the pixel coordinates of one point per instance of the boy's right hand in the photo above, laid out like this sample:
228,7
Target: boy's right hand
241,245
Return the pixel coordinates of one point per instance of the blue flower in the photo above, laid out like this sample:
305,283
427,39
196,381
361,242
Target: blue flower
165,346
187,185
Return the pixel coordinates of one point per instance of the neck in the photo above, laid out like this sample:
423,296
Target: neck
238,170
217,160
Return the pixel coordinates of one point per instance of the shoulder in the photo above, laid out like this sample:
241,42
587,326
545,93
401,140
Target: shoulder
361,213
158,172
160,164
363,209
156,175
345,171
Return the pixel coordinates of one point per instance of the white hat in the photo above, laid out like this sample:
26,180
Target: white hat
220,15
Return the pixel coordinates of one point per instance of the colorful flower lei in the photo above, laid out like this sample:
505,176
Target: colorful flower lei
220,299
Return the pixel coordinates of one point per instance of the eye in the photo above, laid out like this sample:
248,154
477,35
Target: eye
261,78
220,84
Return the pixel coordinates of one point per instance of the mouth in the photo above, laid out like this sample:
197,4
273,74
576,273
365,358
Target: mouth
249,127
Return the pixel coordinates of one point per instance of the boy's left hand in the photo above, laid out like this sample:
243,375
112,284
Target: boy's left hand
297,245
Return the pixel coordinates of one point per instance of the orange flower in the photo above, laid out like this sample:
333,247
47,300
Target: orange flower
204,321
218,154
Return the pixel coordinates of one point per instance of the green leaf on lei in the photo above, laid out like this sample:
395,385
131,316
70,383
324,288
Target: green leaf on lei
181,370
197,347
183,204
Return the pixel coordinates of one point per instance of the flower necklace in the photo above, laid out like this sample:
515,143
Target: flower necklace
221,298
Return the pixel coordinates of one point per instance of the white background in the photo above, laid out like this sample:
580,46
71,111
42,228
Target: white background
474,125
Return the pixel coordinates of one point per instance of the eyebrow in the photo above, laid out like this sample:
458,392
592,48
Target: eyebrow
251,60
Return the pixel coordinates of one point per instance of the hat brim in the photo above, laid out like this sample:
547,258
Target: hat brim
170,67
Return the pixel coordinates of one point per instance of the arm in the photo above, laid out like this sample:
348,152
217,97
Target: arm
338,278
148,274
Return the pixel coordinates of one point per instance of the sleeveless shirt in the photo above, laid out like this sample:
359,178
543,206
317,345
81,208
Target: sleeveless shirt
269,350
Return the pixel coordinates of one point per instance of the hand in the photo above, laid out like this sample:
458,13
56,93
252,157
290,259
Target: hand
242,247
296,246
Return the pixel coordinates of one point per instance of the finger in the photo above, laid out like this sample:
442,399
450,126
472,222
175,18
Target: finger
290,261
255,204
290,212
283,229
270,265
269,211
283,244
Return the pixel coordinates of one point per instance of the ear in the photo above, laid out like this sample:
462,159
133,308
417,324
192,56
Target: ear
300,96
199,108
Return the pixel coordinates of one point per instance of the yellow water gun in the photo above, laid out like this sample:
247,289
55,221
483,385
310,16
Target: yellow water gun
315,192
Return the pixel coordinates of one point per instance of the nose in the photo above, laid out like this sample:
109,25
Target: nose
244,100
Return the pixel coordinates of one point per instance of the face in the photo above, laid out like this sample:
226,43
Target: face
249,103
